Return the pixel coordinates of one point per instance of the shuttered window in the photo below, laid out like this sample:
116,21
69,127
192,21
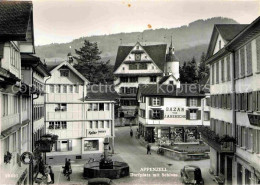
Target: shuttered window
237,64
242,59
228,68
250,101
258,53
217,72
212,74
249,58
222,70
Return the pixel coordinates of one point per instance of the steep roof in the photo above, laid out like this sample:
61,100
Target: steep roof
229,31
156,52
14,19
51,65
101,92
163,79
186,90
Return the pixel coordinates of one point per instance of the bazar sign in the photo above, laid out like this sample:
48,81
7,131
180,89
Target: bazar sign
96,133
175,112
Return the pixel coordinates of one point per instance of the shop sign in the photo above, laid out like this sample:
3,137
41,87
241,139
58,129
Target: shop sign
254,119
175,112
96,133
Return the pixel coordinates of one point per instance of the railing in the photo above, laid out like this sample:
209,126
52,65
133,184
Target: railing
222,144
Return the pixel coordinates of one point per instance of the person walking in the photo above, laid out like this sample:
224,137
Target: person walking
131,133
52,175
148,147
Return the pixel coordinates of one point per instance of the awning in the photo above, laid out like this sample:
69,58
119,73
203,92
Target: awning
13,129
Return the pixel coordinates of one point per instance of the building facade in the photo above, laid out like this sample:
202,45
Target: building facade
168,114
16,38
141,64
233,56
73,112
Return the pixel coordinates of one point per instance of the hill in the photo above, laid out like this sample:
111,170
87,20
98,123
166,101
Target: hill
189,40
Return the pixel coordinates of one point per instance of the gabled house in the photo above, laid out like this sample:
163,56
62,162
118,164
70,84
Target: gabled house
81,115
141,64
233,56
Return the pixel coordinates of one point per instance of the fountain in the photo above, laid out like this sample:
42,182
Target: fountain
106,167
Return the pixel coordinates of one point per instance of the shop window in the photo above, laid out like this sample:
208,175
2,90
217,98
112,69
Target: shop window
153,79
193,102
64,72
91,145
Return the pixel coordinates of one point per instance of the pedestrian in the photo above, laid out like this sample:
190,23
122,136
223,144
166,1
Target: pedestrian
131,133
148,147
52,175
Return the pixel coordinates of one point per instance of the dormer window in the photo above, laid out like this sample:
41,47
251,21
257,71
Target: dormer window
137,47
137,57
64,73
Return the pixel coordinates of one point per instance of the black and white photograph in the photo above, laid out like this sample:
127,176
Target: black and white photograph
129,92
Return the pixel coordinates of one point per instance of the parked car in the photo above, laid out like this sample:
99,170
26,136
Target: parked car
191,174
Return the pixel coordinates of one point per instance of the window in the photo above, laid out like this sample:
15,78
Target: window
143,66
102,124
91,145
142,113
90,124
156,101
51,88
57,125
153,79
132,66
58,88
95,106
258,54
101,107
106,105
242,61
90,107
137,57
61,107
193,114
250,139
14,142
217,72
243,139
247,176
64,88
51,125
71,88
133,79
222,71
156,114
250,101
171,82
64,72
193,102
249,58
124,79
64,125
228,68
108,124
123,68
76,87
206,116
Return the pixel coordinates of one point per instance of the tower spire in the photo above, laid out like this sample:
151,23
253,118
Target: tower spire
171,42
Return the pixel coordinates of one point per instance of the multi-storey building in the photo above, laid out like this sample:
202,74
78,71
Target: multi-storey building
16,37
81,116
234,59
141,64
170,114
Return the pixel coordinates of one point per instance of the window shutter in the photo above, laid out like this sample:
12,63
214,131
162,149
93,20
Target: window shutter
236,64
225,101
249,58
228,68
198,114
254,101
239,102
150,101
258,53
58,146
70,145
245,101
187,114
187,102
199,102
222,71
151,114
162,102
217,72
255,140
246,137
162,114
242,59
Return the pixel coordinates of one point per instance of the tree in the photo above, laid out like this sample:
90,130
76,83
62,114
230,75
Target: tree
203,69
90,65
188,72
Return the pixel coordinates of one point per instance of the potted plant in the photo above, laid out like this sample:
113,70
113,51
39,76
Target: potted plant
7,157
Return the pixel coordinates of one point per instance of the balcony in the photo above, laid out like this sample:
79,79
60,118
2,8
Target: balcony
223,144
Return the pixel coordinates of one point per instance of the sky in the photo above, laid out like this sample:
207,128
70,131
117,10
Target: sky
60,21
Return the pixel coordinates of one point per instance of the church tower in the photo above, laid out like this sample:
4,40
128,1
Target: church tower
172,63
